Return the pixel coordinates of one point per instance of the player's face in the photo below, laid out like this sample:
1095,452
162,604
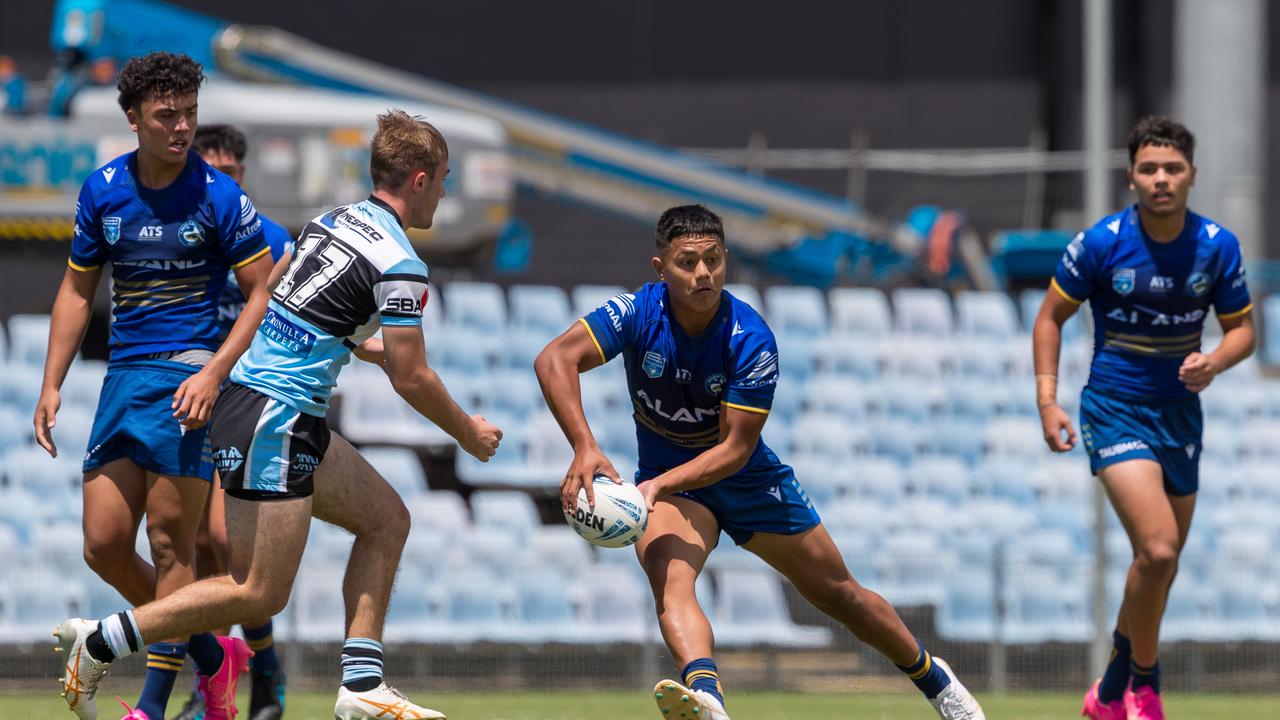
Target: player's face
693,268
427,193
227,163
165,126
1162,177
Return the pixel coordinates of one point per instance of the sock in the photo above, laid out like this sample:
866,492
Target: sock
264,660
164,662
206,652
1146,676
926,674
117,636
1116,678
701,674
361,664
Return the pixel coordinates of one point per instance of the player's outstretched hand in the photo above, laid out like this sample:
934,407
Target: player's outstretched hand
1055,422
46,417
483,440
582,471
1197,372
194,399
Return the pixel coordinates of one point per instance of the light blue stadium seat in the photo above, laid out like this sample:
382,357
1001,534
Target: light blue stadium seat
899,439
944,478
1005,479
797,311
864,515
481,607
991,360
28,340
415,611
511,392
20,387
1271,320
1048,549
751,609
477,305
544,308
511,466
798,356
913,565
1042,609
879,479
973,402
40,599
788,399
619,604
15,428
923,311
429,547
1194,613
519,347
999,518
400,467
989,315
1250,611
58,545
916,401
506,511
557,549
747,294
860,358
465,348
828,439
968,609
920,359
1259,441
586,298
838,396
861,312
83,384
548,611
1017,439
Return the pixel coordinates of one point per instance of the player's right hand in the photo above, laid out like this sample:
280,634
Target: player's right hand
46,417
587,463
1054,420
482,442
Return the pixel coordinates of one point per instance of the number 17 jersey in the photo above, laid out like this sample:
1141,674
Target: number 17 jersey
353,270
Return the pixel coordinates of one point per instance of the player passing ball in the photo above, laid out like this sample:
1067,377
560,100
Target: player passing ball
1150,273
701,368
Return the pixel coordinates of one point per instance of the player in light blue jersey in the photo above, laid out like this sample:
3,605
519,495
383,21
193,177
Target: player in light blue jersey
1151,274
353,271
171,227
702,367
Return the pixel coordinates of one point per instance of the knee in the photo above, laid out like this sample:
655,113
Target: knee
167,546
840,599
107,554
1157,560
265,598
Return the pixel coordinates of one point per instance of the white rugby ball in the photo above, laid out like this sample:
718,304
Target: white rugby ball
619,518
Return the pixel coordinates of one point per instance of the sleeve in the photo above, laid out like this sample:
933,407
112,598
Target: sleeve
612,326
239,227
88,250
1231,292
278,239
401,294
1075,277
754,378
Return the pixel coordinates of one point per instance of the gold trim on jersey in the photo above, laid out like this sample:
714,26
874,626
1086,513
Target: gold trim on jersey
1053,283
705,438
594,341
1236,314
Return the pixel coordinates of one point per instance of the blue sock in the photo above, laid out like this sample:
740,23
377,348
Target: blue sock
264,660
206,652
361,664
701,674
164,662
1146,677
1115,680
926,673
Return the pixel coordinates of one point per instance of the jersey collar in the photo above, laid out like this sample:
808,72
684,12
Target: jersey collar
383,204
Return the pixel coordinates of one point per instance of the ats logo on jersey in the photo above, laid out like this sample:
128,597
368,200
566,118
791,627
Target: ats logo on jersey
111,229
191,233
228,459
1161,283
1123,280
653,364
1198,284
151,232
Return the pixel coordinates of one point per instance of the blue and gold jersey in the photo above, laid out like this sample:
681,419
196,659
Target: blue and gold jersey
678,383
1150,299
170,251
231,303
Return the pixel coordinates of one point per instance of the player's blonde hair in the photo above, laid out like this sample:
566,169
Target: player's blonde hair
403,144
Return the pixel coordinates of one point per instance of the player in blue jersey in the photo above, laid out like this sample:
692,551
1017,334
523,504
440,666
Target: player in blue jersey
352,272
702,367
1151,273
171,227
224,147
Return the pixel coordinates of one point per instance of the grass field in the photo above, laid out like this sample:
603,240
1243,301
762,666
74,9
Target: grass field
744,706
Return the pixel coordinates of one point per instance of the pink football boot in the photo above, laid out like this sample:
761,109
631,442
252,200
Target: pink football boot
132,714
1144,704
1095,709
220,698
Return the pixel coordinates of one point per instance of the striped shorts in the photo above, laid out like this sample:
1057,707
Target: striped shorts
263,448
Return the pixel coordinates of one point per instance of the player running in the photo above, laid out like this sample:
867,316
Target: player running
224,147
702,367
1150,273
171,226
353,270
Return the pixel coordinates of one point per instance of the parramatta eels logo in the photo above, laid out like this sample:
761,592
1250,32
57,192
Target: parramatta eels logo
653,364
715,384
1198,284
191,233
1124,280
111,229
228,459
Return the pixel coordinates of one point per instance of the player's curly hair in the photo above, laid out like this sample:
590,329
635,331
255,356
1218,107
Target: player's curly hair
159,74
688,220
220,137
1160,131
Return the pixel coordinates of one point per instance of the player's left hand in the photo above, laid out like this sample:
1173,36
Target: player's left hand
193,402
1197,372
371,351
651,491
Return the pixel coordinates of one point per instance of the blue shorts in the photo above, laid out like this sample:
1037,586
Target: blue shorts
765,497
1169,432
135,421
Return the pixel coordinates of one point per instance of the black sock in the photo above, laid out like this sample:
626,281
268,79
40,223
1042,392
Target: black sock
98,648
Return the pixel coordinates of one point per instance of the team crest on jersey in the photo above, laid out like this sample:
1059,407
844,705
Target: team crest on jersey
1198,284
653,364
1123,280
111,229
191,233
714,383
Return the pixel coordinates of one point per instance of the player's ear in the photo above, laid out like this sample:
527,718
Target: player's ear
420,181
1129,174
132,115
1193,177
657,266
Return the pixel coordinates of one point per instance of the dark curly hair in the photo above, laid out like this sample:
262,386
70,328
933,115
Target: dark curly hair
220,136
687,220
159,74
1160,131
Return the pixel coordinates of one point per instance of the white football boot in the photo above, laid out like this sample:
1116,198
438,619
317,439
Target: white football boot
955,702
381,702
677,701
80,673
